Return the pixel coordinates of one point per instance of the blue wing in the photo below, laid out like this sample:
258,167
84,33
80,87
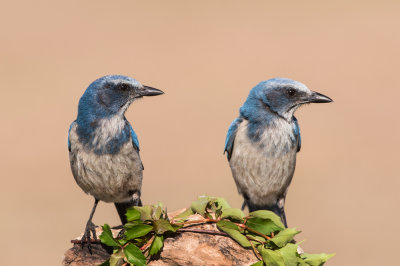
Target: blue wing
135,141
134,137
230,137
69,130
296,130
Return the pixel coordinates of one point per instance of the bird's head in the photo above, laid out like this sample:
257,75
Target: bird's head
112,95
281,96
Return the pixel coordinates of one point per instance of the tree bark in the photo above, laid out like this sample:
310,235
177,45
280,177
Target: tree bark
200,244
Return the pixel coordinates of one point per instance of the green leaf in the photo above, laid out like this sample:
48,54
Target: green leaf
134,255
176,227
284,237
316,259
117,259
162,225
184,215
122,241
301,262
132,214
156,245
271,257
233,231
258,263
289,254
107,238
261,225
222,204
268,215
200,205
256,237
141,241
145,212
138,231
235,214
157,211
132,224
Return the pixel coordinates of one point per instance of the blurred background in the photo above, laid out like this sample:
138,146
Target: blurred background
206,56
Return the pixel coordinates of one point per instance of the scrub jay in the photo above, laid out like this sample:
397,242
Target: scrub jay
262,143
104,149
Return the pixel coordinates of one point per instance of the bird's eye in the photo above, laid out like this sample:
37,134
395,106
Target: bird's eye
291,92
123,87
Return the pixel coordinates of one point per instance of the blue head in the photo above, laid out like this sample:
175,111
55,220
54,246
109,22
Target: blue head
278,96
101,122
109,96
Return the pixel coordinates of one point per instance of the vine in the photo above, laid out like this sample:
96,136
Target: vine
262,231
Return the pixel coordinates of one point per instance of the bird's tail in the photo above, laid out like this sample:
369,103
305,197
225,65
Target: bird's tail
123,206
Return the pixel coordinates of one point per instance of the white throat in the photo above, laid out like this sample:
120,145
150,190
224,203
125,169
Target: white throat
107,129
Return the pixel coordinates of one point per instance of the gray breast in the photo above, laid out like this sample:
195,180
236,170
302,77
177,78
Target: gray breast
263,170
107,177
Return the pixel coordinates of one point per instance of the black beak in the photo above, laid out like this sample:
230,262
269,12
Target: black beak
318,98
149,91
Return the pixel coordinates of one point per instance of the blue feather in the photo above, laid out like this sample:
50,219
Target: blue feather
69,130
134,137
230,137
296,129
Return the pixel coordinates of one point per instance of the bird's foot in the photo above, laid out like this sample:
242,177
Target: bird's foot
90,230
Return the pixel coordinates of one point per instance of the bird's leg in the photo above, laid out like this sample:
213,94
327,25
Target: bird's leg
90,229
283,217
245,202
244,205
281,206
123,206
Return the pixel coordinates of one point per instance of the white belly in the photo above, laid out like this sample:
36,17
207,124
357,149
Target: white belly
107,177
263,170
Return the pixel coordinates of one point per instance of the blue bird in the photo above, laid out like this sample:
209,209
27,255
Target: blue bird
103,147
262,143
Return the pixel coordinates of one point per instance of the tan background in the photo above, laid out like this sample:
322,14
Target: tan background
206,56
